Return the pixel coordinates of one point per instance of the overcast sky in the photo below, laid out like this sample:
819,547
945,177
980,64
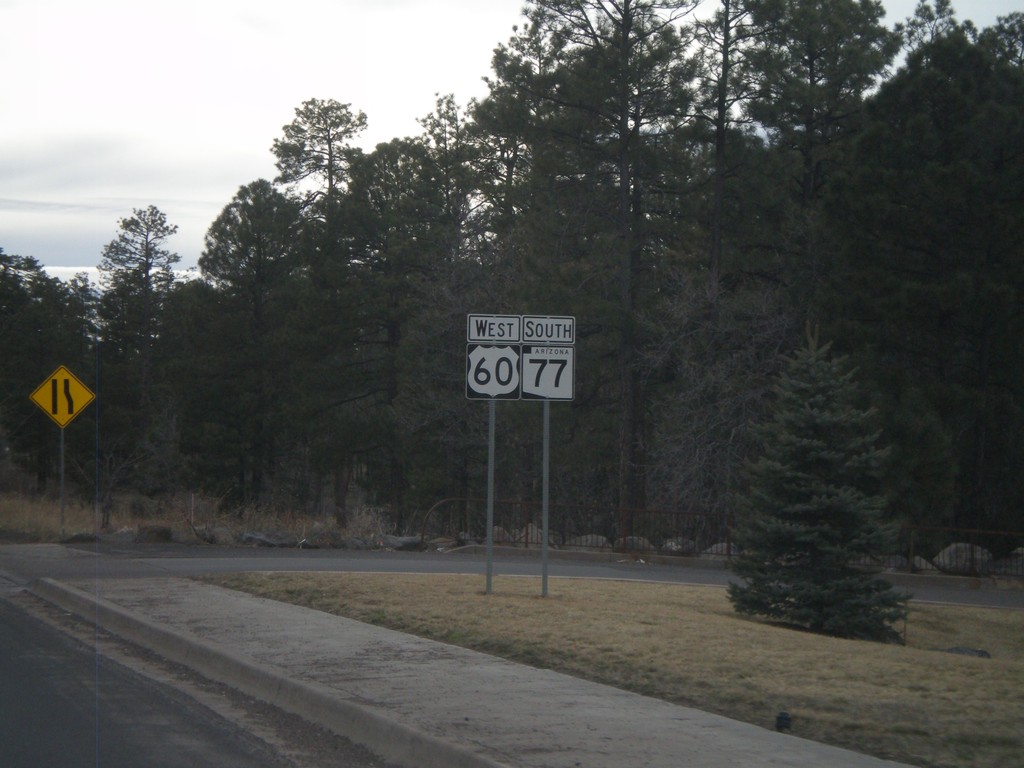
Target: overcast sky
111,105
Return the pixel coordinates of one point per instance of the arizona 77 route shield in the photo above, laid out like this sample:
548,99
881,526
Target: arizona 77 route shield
547,372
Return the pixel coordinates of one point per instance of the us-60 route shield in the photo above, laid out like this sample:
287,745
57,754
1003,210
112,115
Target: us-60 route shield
492,372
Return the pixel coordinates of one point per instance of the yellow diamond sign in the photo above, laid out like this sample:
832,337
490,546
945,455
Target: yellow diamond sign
62,396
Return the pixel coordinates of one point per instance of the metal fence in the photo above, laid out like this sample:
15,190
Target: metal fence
971,552
580,526
592,527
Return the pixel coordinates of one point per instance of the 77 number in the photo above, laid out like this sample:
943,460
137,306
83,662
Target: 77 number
542,364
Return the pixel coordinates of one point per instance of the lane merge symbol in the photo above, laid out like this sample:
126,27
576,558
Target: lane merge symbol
62,396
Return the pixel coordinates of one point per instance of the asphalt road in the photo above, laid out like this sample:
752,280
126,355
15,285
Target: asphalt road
61,704
126,560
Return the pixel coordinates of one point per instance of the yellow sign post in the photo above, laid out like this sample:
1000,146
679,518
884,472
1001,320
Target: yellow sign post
62,396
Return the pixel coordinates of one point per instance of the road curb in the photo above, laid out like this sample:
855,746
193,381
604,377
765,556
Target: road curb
316,703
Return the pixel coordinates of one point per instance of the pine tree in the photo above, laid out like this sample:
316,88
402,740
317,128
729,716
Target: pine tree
929,275
813,508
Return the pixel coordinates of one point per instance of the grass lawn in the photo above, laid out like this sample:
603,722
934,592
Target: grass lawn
684,644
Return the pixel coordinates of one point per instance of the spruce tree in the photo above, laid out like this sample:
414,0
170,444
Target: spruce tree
813,508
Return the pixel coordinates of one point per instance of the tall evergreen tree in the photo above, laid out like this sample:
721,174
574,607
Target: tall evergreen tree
1006,39
137,274
316,160
726,86
815,61
602,91
930,22
315,150
814,508
250,259
933,273
391,206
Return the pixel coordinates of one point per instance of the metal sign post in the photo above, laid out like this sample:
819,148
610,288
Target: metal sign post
62,482
62,397
546,477
490,495
520,357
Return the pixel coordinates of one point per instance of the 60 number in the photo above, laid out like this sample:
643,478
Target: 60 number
504,372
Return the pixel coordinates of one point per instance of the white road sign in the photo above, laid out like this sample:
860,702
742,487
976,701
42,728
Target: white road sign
492,372
494,329
548,373
512,357
538,329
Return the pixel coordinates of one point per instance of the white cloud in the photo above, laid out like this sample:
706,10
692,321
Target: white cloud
113,105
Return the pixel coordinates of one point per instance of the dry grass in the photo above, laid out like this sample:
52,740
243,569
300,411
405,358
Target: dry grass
684,644
25,518
38,519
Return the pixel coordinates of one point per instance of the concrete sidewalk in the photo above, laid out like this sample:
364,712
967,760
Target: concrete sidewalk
420,703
